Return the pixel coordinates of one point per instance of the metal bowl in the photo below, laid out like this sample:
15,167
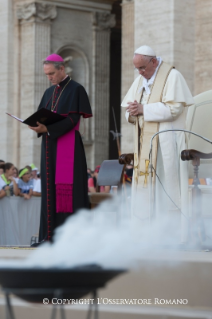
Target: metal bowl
35,284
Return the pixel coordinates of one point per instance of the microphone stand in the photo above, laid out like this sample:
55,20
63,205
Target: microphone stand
151,166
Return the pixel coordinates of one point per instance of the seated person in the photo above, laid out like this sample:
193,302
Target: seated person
25,184
92,183
128,175
89,175
8,186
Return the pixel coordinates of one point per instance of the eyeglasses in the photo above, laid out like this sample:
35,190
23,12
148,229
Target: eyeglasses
143,68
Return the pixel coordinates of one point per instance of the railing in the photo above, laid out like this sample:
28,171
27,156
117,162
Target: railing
19,220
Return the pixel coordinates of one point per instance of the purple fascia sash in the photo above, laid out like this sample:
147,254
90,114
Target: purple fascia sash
65,171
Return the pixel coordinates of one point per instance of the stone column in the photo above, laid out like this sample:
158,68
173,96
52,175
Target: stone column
127,74
35,23
102,22
203,56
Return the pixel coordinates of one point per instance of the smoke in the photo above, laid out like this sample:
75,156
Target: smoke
107,236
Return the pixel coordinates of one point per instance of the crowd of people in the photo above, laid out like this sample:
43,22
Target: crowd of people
24,182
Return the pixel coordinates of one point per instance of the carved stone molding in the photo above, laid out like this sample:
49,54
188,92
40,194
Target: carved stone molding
36,10
103,20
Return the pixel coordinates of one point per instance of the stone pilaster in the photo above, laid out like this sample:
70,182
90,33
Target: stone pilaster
102,22
127,74
184,39
34,19
203,56
169,30
6,79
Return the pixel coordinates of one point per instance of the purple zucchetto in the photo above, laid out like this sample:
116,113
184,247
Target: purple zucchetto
54,58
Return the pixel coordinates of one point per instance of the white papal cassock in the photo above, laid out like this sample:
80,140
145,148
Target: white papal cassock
165,98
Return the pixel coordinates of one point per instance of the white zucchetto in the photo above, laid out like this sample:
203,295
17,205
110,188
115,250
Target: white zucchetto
145,50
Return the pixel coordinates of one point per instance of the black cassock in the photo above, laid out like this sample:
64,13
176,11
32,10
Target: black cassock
69,99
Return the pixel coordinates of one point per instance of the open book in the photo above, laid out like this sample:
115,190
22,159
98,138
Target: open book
42,116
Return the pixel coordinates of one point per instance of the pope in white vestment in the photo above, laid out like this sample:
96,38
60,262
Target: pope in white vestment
156,101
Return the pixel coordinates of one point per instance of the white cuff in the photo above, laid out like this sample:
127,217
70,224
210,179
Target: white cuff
130,118
127,115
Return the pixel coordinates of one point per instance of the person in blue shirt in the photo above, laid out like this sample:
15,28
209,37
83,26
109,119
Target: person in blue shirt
25,184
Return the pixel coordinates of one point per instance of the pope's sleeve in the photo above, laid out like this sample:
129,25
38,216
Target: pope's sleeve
130,97
162,112
176,95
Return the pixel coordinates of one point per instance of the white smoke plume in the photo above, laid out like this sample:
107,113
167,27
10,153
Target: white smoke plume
106,236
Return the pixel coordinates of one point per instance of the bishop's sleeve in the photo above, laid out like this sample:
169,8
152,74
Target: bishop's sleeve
60,128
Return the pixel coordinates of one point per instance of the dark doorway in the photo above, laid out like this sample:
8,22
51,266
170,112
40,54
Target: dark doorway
115,78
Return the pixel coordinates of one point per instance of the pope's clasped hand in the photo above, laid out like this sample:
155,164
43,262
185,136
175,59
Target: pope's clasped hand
135,108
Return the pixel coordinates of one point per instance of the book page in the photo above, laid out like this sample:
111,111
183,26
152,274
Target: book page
15,117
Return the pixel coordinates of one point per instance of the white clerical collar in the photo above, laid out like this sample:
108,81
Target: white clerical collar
63,80
147,83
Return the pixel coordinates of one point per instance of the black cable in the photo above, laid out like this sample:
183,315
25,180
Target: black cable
168,194
150,152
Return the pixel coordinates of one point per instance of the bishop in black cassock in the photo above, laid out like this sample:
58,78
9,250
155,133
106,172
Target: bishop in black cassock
63,162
